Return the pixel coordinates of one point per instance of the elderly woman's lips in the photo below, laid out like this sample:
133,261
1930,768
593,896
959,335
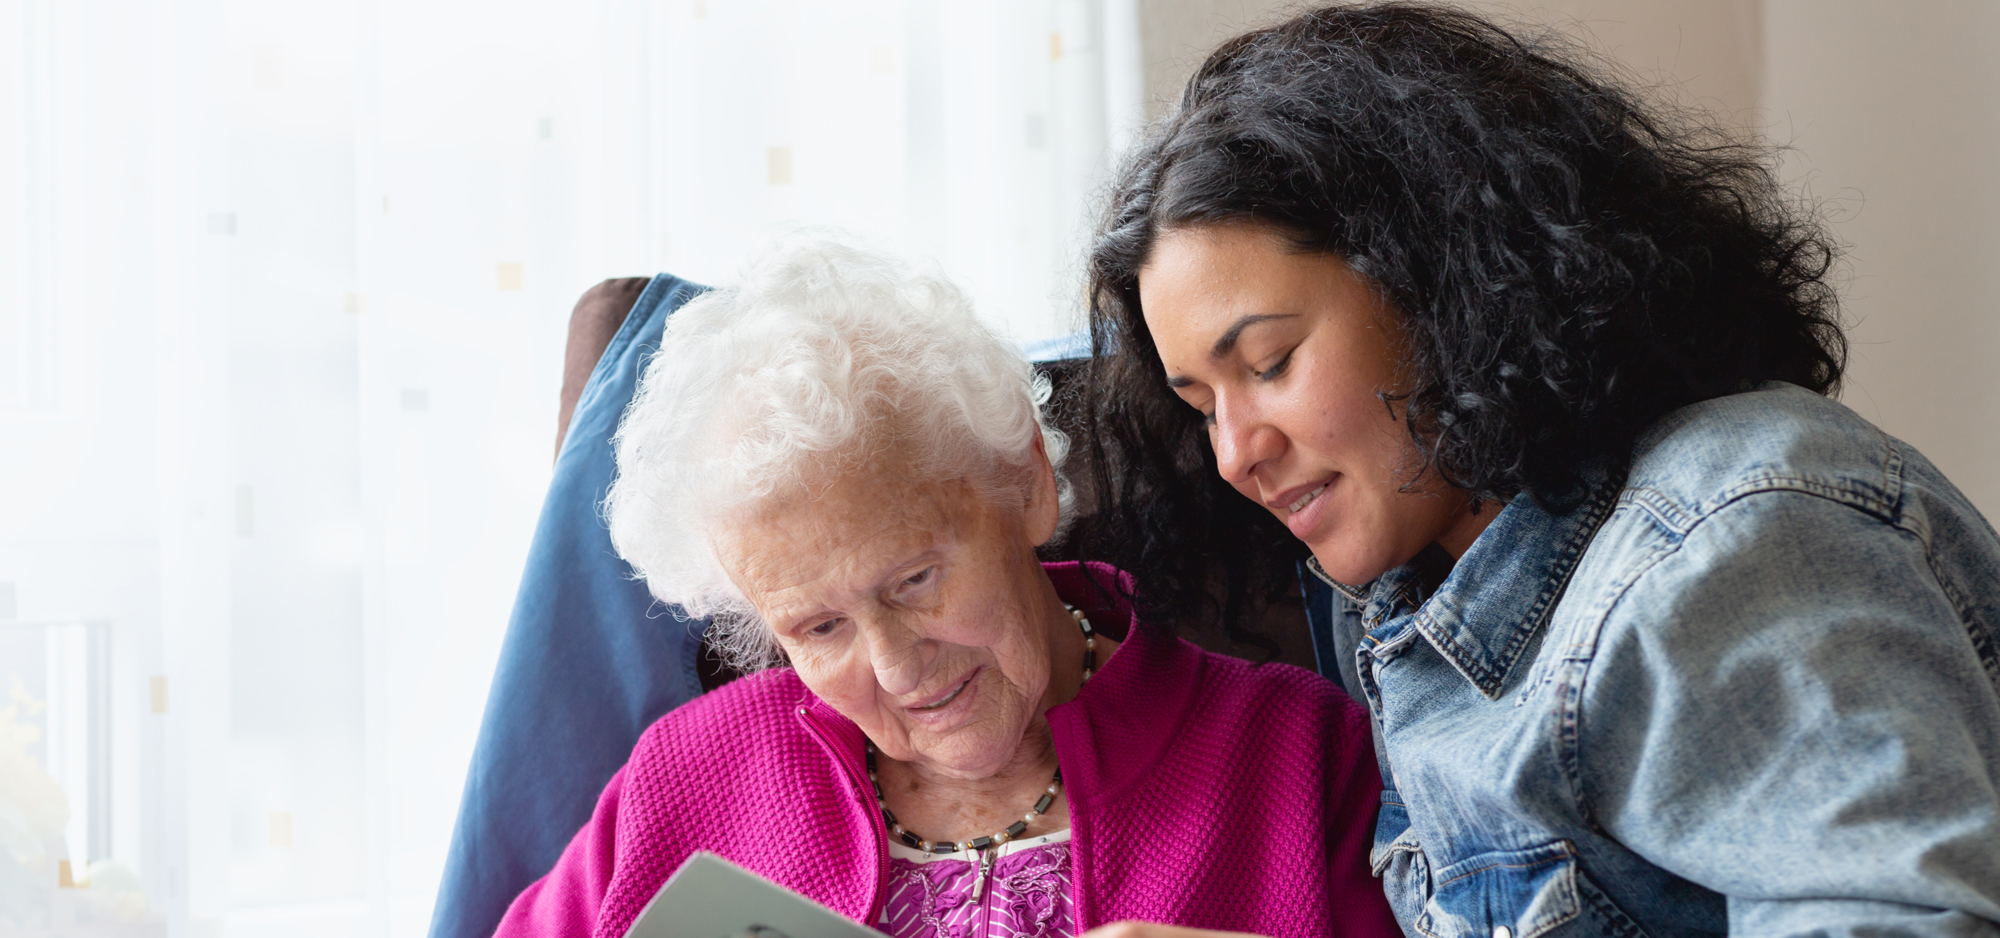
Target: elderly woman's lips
948,698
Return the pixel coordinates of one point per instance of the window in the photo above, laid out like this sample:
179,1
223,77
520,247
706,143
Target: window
314,263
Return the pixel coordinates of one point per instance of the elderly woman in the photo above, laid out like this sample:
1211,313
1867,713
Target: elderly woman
1659,639
850,473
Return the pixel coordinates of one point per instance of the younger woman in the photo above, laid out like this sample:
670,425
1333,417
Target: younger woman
1658,638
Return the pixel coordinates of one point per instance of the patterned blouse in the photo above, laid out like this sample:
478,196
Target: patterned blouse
931,895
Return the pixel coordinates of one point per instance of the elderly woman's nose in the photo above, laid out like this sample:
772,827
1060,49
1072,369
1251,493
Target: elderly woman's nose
902,659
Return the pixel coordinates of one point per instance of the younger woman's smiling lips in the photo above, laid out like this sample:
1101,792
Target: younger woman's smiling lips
1302,506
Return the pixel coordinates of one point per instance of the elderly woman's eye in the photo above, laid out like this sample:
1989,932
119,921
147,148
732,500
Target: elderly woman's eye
824,628
920,577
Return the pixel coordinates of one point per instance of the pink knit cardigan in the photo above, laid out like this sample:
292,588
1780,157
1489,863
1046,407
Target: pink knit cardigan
1203,792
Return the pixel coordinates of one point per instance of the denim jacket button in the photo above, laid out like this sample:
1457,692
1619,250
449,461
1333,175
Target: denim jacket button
1502,931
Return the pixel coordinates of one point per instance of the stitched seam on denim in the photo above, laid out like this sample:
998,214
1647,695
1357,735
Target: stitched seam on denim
1570,755
1978,632
1892,472
1874,507
1370,690
1478,675
1380,858
1535,929
1409,596
1682,518
1618,588
1564,853
1775,483
1581,656
1622,925
1669,514
1563,850
1489,680
1544,673
1550,665
1569,735
1382,650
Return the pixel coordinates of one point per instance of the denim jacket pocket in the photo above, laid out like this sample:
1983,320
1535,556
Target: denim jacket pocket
1504,894
1398,860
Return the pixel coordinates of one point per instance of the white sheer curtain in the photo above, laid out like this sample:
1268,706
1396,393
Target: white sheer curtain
283,288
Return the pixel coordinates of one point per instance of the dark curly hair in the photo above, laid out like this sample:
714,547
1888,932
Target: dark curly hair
1570,263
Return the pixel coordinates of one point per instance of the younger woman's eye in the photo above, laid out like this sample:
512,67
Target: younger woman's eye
1275,370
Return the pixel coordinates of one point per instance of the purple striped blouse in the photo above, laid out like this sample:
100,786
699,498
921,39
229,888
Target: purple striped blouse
932,895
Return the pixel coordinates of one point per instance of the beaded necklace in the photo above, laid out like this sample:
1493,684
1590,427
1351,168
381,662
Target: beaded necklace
985,845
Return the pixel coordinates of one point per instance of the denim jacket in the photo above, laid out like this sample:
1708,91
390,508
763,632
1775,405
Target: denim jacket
1753,689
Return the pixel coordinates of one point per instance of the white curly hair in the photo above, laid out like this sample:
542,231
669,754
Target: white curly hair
827,355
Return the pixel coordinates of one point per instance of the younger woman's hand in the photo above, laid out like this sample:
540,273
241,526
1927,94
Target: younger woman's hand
1151,930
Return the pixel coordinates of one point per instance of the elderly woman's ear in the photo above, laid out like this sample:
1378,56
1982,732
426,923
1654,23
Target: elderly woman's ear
1044,514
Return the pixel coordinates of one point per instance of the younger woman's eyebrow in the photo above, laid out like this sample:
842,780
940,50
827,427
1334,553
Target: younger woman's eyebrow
1226,344
1223,346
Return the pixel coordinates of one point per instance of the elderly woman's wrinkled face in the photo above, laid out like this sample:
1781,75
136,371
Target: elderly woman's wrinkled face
912,607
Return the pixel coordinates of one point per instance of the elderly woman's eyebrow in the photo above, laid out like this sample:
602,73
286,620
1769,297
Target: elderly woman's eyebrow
901,570
790,625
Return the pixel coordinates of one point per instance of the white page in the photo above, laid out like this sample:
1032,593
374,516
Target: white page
710,897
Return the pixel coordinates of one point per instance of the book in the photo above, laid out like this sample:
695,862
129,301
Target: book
710,897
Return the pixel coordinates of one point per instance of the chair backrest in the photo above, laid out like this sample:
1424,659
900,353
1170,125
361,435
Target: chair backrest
589,660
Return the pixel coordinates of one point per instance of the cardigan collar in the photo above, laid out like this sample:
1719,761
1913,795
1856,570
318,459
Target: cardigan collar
1107,738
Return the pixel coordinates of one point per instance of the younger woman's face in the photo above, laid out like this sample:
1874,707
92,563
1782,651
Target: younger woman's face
1287,355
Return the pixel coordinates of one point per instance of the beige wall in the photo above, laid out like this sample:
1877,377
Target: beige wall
1174,35
1893,120
1708,51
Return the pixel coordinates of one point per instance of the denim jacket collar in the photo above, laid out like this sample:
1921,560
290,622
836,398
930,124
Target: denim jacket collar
1482,617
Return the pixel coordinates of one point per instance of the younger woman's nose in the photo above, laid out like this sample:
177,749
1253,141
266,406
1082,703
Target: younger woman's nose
1242,441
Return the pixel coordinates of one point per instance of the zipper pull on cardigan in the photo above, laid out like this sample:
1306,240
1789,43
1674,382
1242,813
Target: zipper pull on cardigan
986,857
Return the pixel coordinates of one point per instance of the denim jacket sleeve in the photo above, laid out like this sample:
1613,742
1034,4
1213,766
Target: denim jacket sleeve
1804,730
